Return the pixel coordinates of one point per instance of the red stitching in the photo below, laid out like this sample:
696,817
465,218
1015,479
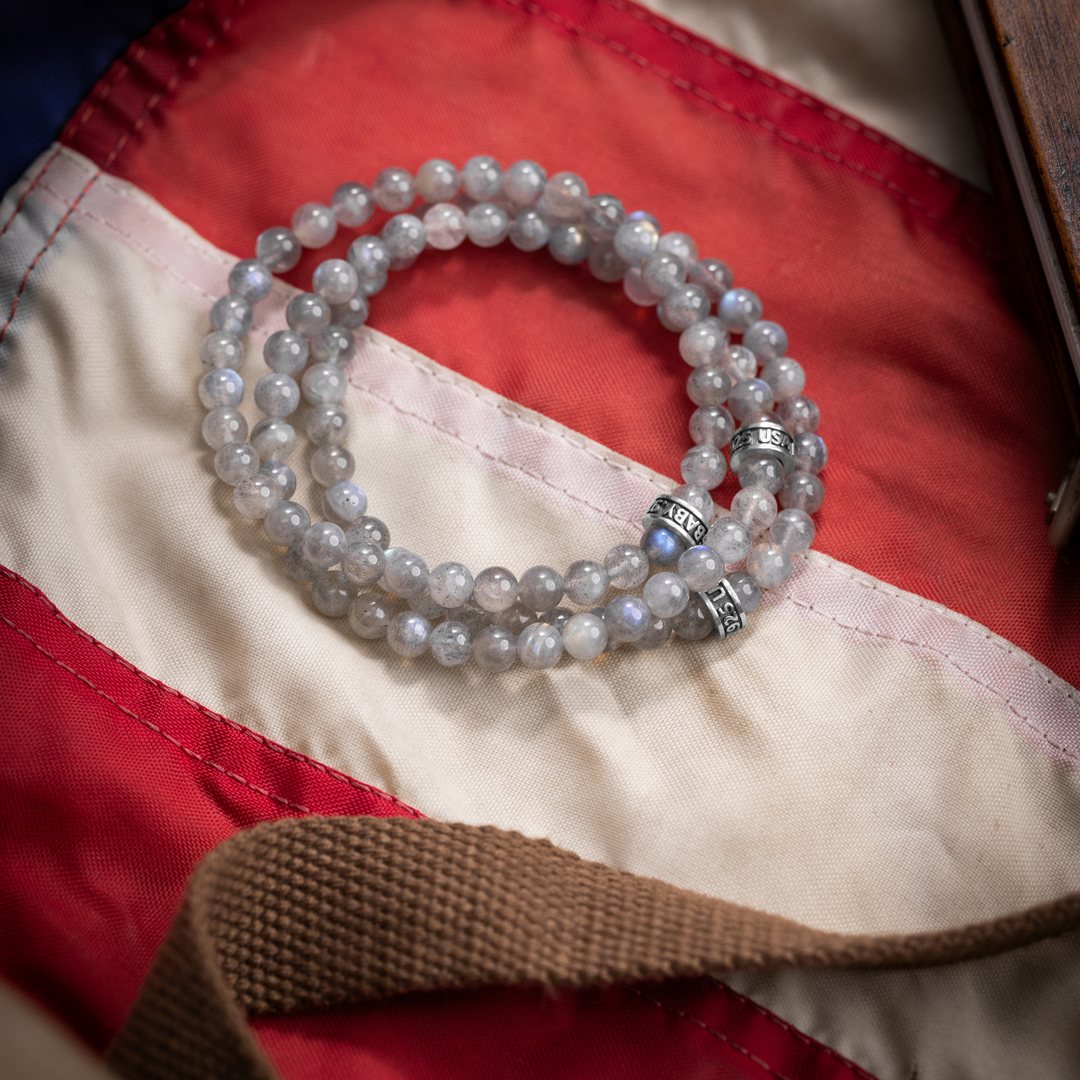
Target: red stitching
761,1063
152,726
291,755
767,125
794,1031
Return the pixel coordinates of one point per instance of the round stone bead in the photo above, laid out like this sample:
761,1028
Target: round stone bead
334,280
612,644
363,563
370,615
494,649
635,288
694,622
662,548
750,396
353,313
324,384
702,343
768,564
323,544
763,471
437,181
307,314
487,224
315,225
627,566
345,501
730,539
540,588
451,644
524,183
406,573
327,425
495,589
666,594
250,279
568,244
754,507
701,568
331,464
286,352
761,416
585,636
481,178
374,285
643,215
698,497
352,204
281,476
679,244
708,385
746,589
703,466
297,567
515,619
713,276
635,240
529,231
586,583
408,634
662,272
445,226
657,634
236,461
221,350
224,425
557,617
286,523
334,345
277,395
602,215
393,190
739,309
450,584
785,376
712,424
604,264
810,452
278,249
232,314
739,362
564,197
627,618
255,496
473,617
332,593
371,530
405,238
802,491
370,259
793,531
766,340
539,646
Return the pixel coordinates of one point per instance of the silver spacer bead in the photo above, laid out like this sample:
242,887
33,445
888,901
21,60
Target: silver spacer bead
765,437
679,517
722,604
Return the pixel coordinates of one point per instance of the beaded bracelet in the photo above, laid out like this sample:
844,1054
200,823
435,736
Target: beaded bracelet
707,566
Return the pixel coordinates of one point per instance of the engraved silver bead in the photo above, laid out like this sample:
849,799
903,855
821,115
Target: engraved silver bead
677,516
724,608
764,437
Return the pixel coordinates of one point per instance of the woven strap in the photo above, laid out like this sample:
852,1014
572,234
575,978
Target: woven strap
298,914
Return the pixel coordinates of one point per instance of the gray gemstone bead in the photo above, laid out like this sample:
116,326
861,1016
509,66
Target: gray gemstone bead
785,376
487,224
701,568
363,563
406,573
739,362
523,183
768,564
627,566
712,424
345,501
635,239
585,636
251,280
255,496
286,523
224,425
763,471
810,452
232,314
679,244
568,244
515,619
315,225
803,491
277,395
539,646
602,215
626,618
494,649
451,643
408,634
236,461
327,424
557,617
335,281
370,259
369,615
281,476
298,567
286,351
332,593
529,231
713,276
657,634
540,588
405,238
324,384
278,249
684,306
730,539
437,181
708,385
604,264
739,309
666,594
221,350
352,204
450,584
586,583
334,345
746,589
323,544
750,396
331,464
635,288
703,466
473,617
754,507
662,272
445,226
793,531
394,190
799,414
702,343
564,197
307,314
481,178
766,340
694,622
495,589
371,530
352,314
424,605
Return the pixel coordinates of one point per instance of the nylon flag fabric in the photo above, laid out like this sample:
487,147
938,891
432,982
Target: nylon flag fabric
891,745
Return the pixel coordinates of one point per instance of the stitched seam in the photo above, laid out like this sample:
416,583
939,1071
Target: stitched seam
726,1040
793,1031
767,125
150,724
151,103
264,742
